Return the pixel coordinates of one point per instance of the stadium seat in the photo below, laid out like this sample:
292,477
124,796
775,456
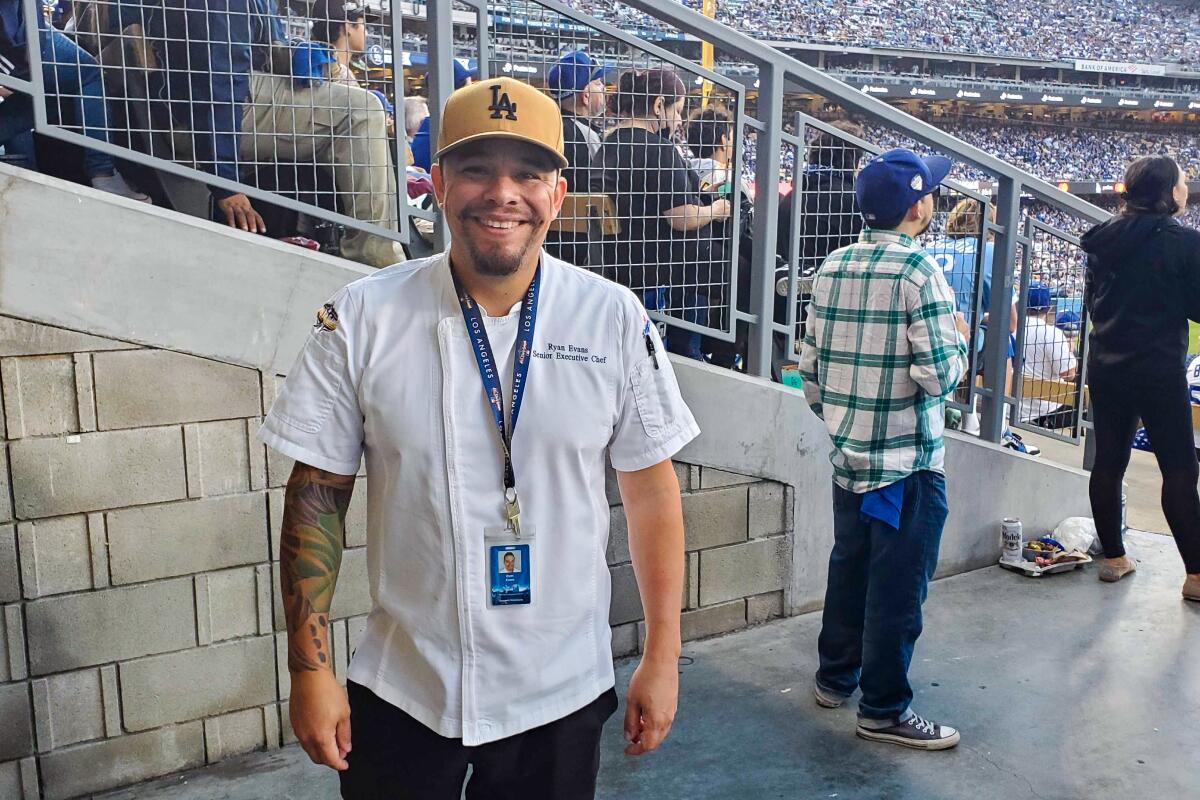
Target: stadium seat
579,210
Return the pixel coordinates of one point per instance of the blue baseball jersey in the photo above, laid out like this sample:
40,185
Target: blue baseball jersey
957,257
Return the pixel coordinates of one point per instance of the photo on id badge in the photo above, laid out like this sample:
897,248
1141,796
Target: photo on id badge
510,569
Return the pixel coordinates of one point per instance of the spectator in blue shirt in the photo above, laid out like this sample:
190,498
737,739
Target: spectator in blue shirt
228,79
74,90
958,256
420,142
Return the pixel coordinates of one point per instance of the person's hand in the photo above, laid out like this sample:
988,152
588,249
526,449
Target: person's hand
320,715
960,322
5,92
721,209
240,214
650,704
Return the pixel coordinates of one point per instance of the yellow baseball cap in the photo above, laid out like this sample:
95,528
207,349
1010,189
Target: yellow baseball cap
502,108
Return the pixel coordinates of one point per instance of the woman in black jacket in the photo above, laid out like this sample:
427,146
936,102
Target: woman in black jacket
1142,286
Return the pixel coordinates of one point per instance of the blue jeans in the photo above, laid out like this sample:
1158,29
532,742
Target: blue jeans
878,579
73,82
695,309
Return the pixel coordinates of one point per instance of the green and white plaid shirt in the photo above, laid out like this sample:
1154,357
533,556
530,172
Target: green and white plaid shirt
881,352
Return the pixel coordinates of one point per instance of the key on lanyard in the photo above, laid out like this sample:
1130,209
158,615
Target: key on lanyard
512,511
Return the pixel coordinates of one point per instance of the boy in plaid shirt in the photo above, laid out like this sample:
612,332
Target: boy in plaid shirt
884,346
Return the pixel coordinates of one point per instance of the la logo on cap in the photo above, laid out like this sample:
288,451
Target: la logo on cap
502,107
917,183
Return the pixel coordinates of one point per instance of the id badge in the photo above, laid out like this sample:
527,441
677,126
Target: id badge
510,565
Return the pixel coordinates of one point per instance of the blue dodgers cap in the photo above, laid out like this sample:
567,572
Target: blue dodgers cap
1068,322
890,183
461,73
572,73
1039,297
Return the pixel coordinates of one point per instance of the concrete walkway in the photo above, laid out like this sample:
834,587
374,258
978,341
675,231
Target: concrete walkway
1063,687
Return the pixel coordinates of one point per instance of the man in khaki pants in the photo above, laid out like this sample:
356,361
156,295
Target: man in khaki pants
230,82
340,127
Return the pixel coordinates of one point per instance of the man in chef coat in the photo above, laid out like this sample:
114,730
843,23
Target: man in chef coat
486,387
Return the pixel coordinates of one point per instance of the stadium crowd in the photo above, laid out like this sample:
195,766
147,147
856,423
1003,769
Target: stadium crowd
1057,153
1050,152
1119,30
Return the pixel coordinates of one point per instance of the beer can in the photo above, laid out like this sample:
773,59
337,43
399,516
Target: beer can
1012,540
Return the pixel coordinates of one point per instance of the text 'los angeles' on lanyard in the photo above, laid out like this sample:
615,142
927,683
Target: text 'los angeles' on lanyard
489,372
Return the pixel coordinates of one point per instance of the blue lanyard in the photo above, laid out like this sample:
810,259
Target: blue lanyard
488,368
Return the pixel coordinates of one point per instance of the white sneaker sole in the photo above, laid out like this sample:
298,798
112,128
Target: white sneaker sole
905,741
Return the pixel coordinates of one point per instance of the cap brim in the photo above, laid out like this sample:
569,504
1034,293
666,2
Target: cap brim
939,167
560,92
559,159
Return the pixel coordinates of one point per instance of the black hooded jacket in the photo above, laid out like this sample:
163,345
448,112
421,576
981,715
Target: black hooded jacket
1141,287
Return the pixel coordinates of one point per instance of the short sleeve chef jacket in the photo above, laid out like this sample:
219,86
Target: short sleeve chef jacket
396,380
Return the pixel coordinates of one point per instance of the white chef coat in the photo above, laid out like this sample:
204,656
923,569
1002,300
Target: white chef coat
397,380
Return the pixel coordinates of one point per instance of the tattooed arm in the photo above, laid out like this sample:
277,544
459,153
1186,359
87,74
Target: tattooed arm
314,519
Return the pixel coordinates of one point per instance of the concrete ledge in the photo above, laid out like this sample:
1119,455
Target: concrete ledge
257,301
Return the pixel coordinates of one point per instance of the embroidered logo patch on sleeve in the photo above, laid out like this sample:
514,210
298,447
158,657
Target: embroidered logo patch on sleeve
327,318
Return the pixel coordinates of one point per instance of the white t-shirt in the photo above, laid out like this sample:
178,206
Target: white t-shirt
589,136
713,174
397,381
1048,354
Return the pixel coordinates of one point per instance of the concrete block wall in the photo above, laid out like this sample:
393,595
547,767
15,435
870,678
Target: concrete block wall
738,543
141,631
138,577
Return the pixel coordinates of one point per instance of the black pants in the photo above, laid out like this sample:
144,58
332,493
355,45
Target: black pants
1163,405
1056,420
394,757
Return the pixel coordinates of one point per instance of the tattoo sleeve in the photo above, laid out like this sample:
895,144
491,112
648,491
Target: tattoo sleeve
314,519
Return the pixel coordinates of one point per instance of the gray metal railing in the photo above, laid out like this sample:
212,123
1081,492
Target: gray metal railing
824,218
1051,359
714,285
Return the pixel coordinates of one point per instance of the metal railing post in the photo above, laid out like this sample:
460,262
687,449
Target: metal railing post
440,79
999,311
400,145
766,209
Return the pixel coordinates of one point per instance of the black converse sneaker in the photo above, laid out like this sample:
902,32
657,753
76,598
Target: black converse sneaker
916,732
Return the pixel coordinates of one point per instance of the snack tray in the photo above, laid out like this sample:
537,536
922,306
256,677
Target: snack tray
1033,570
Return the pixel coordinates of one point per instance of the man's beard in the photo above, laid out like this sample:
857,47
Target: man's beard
500,264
